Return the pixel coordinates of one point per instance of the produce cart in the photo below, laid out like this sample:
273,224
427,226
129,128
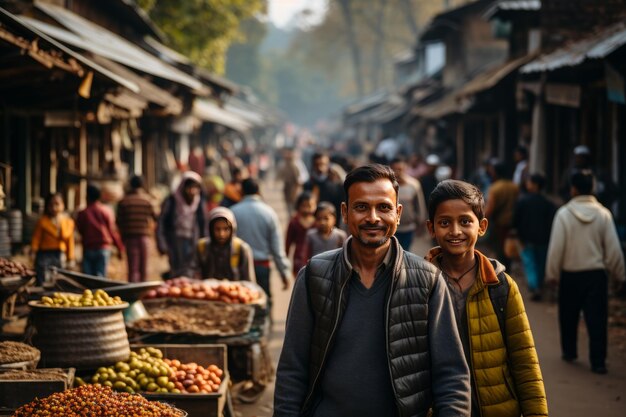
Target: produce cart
249,362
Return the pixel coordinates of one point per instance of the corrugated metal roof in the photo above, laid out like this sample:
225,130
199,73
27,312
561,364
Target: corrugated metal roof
596,46
80,58
513,5
211,112
493,76
98,40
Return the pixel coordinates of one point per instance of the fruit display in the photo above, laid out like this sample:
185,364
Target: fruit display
12,269
189,316
89,299
96,400
231,292
13,352
147,371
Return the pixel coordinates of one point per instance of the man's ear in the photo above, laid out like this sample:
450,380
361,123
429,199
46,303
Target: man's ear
344,213
482,226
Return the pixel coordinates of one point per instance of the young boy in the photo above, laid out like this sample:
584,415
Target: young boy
325,236
223,255
506,378
299,225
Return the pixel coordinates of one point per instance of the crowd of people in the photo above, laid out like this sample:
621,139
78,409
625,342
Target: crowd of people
446,330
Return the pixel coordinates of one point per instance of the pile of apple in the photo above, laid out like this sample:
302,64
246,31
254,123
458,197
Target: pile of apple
226,291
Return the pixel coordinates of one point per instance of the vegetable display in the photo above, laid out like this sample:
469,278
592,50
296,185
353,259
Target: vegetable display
88,299
231,292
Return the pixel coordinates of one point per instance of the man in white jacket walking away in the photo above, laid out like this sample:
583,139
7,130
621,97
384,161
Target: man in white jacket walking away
585,253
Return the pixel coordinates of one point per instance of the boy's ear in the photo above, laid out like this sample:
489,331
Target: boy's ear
482,226
431,228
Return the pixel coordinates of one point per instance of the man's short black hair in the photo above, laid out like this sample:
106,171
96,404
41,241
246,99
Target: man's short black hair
370,173
250,186
538,179
582,181
93,193
522,150
136,181
318,155
456,190
397,159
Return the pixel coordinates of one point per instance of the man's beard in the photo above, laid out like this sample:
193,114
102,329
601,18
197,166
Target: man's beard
376,243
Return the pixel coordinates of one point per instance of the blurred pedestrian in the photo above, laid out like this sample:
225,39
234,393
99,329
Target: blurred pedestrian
501,200
323,185
260,228
411,197
299,225
181,224
52,243
324,236
520,175
532,221
96,225
583,254
232,189
429,179
292,172
135,221
222,254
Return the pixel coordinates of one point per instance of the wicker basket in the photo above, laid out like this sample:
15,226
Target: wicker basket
83,338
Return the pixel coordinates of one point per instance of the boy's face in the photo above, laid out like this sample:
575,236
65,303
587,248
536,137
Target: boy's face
55,206
325,221
221,231
456,228
307,207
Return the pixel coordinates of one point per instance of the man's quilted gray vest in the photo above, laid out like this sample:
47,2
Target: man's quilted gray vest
406,321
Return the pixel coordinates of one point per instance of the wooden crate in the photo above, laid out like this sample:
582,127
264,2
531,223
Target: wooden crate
16,393
197,405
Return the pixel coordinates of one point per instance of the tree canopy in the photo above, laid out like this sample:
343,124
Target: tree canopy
202,29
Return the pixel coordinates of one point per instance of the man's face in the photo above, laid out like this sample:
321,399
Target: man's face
221,231
321,165
372,213
456,228
398,168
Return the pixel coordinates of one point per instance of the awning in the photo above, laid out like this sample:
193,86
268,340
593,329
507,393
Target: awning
210,112
446,105
366,103
88,36
152,93
501,8
490,78
597,46
15,20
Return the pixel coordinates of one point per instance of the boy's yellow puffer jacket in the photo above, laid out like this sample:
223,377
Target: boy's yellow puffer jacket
503,388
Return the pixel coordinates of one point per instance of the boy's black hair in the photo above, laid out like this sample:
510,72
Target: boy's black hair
49,199
456,190
302,197
582,181
136,182
93,193
250,186
323,206
538,179
370,173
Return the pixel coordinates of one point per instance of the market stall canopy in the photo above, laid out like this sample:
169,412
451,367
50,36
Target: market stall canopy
210,112
596,46
88,36
502,9
24,28
490,78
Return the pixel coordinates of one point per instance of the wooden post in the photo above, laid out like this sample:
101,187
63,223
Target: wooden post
537,160
460,148
82,163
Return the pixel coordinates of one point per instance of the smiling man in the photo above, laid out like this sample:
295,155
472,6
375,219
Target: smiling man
371,329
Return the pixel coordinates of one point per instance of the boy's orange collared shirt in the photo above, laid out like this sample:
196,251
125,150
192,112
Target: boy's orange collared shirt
48,236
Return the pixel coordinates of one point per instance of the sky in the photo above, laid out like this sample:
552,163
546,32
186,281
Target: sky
281,11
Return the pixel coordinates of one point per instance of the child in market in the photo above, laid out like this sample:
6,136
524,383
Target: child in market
490,314
300,224
325,236
53,238
223,255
